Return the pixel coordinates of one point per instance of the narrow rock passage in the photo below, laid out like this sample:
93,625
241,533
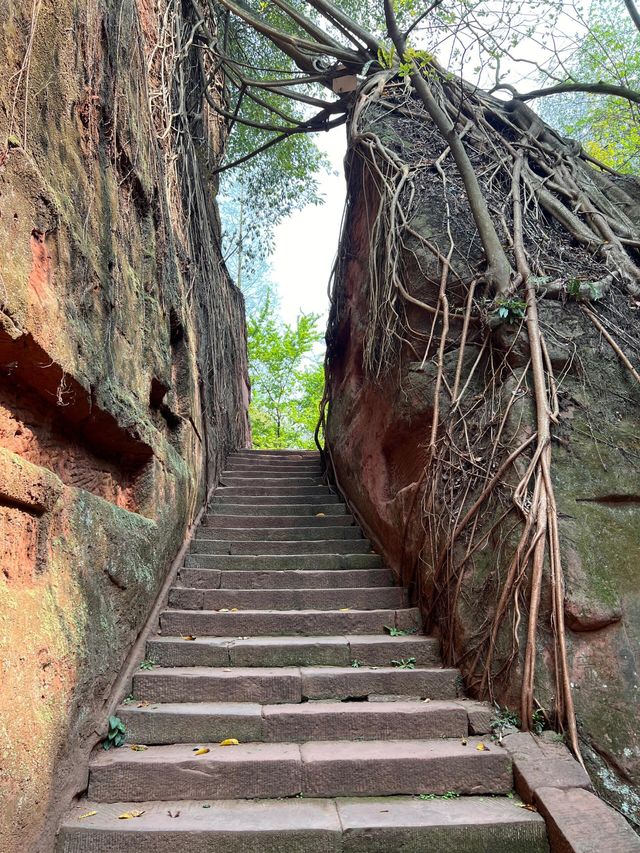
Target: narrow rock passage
286,632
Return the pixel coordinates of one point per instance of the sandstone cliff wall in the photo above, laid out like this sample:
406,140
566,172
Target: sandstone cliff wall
378,436
122,371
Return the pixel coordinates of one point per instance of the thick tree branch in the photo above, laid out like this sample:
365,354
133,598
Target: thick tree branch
588,88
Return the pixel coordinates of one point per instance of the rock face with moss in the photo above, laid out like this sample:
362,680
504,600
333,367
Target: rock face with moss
122,371
411,493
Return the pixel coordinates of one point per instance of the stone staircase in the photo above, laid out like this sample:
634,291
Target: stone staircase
285,631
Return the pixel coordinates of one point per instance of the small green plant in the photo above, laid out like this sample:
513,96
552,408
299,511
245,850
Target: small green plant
148,664
115,735
583,291
404,663
538,721
386,56
504,719
399,632
129,699
511,310
449,795
355,663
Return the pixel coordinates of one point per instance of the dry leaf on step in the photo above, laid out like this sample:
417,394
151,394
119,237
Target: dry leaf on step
345,609
230,741
464,741
201,750
234,609
173,814
320,515
189,637
87,814
223,610
138,747
481,747
129,815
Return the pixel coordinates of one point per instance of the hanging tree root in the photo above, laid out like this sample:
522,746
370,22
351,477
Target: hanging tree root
471,491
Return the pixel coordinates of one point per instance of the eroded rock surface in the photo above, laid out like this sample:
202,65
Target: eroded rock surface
122,376
378,434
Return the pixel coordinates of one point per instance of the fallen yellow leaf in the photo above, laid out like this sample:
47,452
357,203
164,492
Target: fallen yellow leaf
230,741
234,609
138,747
87,814
223,610
481,747
189,637
129,815
320,515
345,609
202,750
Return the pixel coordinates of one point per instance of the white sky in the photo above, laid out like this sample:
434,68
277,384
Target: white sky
306,242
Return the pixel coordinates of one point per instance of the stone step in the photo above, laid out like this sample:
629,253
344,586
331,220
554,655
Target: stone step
253,623
316,769
363,649
312,469
279,534
288,579
282,562
277,685
273,490
363,598
250,722
244,520
220,499
274,454
362,825
288,509
295,546
251,480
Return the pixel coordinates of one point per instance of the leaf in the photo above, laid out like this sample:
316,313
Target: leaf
464,741
320,515
189,637
87,814
138,747
230,741
129,815
201,750
173,814
481,747
345,609
113,722
234,609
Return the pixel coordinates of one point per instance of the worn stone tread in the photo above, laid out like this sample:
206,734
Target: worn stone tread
278,534
242,519
282,622
290,684
363,825
267,651
183,722
295,562
319,768
280,547
358,598
278,579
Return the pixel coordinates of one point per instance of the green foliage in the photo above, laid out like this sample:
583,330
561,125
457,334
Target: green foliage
404,663
287,379
116,734
148,664
538,721
504,719
449,795
356,664
398,632
607,127
511,310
